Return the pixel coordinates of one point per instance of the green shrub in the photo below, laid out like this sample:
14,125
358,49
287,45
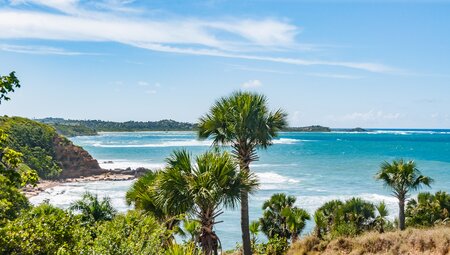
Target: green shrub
43,230
132,233
428,209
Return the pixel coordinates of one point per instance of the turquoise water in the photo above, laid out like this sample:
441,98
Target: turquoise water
314,167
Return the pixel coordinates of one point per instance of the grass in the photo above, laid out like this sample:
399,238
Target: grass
411,241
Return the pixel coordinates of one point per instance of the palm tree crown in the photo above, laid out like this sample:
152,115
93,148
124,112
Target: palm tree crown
92,209
243,121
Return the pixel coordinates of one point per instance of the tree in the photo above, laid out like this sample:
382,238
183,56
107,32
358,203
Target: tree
254,231
92,209
402,177
201,189
281,218
380,220
7,84
295,221
242,120
428,209
142,195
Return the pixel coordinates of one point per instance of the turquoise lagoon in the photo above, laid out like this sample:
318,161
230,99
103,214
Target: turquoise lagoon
314,167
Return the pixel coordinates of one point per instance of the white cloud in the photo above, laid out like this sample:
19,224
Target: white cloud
41,50
252,84
76,22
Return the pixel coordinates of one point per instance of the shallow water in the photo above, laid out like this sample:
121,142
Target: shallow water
314,167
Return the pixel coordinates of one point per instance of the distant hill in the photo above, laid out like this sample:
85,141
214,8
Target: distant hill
71,128
91,127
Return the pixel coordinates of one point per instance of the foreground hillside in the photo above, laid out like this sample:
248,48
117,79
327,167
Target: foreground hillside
411,241
47,152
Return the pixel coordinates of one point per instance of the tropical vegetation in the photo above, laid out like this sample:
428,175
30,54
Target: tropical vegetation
186,198
243,121
402,178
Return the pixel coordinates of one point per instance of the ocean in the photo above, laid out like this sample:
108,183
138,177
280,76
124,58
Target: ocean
313,167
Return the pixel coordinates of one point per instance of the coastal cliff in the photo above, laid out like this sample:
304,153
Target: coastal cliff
74,160
51,155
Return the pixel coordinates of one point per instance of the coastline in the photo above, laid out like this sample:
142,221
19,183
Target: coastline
42,185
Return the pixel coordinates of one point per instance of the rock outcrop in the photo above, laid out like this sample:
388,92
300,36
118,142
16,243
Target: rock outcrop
74,160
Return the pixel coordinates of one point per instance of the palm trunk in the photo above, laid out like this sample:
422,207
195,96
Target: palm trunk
208,239
294,237
401,214
246,244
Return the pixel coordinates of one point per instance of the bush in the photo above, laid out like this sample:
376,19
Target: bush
12,201
43,230
132,233
352,217
429,209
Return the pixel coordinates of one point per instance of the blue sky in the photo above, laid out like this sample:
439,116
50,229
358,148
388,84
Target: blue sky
333,63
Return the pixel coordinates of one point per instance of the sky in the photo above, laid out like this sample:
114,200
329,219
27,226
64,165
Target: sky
361,63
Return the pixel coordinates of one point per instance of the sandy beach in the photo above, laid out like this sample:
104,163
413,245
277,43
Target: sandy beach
42,185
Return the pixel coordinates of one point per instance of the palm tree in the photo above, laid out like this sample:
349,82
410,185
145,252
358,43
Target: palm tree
242,120
281,218
402,177
92,209
295,220
380,220
254,231
201,189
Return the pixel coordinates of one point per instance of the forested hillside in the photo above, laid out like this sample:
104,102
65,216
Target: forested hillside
44,150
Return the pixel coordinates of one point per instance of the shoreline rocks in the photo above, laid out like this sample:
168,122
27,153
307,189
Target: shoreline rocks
106,175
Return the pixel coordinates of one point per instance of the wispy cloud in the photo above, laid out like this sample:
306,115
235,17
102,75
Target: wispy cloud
41,50
335,76
252,84
252,69
366,117
226,37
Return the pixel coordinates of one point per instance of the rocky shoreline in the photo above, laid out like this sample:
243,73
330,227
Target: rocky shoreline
108,175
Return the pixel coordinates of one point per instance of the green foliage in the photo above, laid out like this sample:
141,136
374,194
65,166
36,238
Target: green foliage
182,249
92,209
276,246
42,230
132,233
281,218
402,177
12,201
244,121
336,218
35,142
428,209
73,130
142,195
7,84
202,188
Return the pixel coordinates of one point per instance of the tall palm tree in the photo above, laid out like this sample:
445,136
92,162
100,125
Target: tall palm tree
92,209
201,188
402,177
244,121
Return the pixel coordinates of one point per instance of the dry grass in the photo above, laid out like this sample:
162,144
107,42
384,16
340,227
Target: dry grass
434,241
